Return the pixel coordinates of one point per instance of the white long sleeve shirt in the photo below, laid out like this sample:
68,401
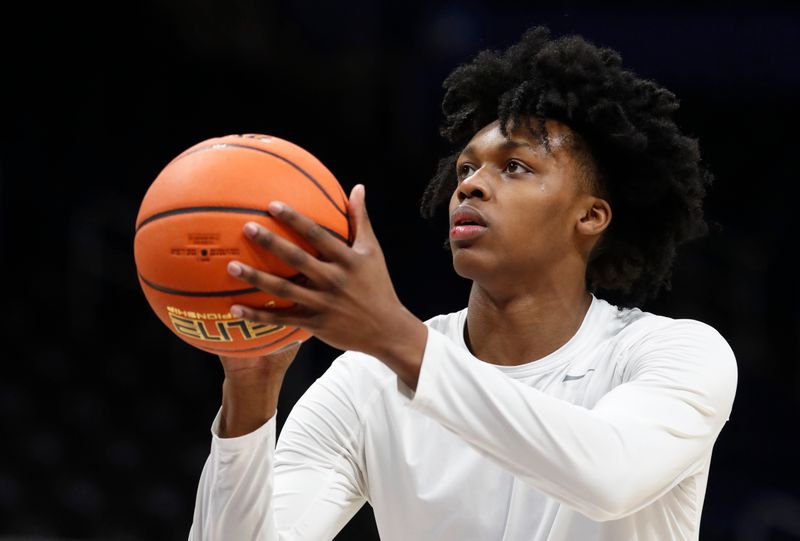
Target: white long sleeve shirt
607,438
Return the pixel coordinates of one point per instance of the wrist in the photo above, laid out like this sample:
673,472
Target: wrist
248,403
403,352
261,376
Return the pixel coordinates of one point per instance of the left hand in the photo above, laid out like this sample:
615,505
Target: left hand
349,301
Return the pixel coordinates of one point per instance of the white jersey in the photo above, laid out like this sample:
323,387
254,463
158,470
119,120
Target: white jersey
607,438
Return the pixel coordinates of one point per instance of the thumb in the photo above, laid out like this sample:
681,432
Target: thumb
357,213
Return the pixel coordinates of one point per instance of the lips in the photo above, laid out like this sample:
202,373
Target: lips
466,224
466,215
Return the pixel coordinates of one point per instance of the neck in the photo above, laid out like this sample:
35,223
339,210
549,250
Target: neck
525,327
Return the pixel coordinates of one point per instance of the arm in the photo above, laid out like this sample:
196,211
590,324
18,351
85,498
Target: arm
313,486
641,438
319,474
306,490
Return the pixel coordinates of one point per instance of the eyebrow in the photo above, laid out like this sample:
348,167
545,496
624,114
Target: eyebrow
508,144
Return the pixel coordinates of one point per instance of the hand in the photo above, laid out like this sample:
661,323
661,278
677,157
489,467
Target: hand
349,301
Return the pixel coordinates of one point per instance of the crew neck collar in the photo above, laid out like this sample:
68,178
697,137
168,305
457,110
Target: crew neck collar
560,356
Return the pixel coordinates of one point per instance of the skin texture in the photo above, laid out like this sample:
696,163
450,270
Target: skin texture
528,295
250,391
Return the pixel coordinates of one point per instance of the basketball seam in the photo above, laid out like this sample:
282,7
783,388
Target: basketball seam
170,291
273,154
298,278
190,210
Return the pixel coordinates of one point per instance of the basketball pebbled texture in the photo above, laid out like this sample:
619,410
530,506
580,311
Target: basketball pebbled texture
190,224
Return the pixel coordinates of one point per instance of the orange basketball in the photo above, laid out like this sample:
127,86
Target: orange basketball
190,226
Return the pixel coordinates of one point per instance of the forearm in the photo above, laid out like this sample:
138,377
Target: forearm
248,403
553,445
402,352
234,496
641,438
250,490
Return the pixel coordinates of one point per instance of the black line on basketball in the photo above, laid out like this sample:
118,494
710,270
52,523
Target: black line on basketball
239,210
253,348
190,210
273,154
183,293
335,234
298,278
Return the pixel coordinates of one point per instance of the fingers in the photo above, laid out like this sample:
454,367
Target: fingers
325,274
301,314
328,246
296,316
357,212
290,253
269,283
353,208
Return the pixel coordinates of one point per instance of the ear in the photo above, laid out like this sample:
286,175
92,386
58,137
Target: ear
595,216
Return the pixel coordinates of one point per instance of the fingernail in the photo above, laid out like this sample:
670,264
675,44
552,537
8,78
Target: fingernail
250,229
234,268
236,311
276,207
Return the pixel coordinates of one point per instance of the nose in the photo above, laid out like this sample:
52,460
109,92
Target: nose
475,185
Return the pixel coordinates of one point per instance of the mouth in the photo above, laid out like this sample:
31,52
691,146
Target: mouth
466,232
467,223
467,215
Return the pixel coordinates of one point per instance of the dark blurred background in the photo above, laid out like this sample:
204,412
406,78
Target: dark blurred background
105,415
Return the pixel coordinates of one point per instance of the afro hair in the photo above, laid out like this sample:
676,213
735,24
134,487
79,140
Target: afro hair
649,172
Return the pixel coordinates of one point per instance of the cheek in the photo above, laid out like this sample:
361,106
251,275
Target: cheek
453,200
532,212
538,222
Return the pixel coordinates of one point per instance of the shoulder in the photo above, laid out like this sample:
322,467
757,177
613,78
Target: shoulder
682,337
636,330
684,354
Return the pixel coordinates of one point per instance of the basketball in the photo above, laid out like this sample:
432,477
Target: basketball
190,224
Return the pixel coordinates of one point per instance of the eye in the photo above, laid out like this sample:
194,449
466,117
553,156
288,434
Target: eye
464,170
514,166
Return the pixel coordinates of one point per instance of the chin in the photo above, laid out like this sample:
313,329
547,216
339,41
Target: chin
468,266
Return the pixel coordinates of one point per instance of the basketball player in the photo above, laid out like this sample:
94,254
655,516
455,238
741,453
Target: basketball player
538,412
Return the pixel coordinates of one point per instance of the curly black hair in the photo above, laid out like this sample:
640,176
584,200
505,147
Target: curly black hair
649,172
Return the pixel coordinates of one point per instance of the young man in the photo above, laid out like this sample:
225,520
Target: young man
540,411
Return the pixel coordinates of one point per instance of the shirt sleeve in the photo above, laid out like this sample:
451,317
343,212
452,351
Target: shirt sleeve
306,489
639,441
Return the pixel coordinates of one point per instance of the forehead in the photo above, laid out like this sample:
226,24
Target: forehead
529,134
